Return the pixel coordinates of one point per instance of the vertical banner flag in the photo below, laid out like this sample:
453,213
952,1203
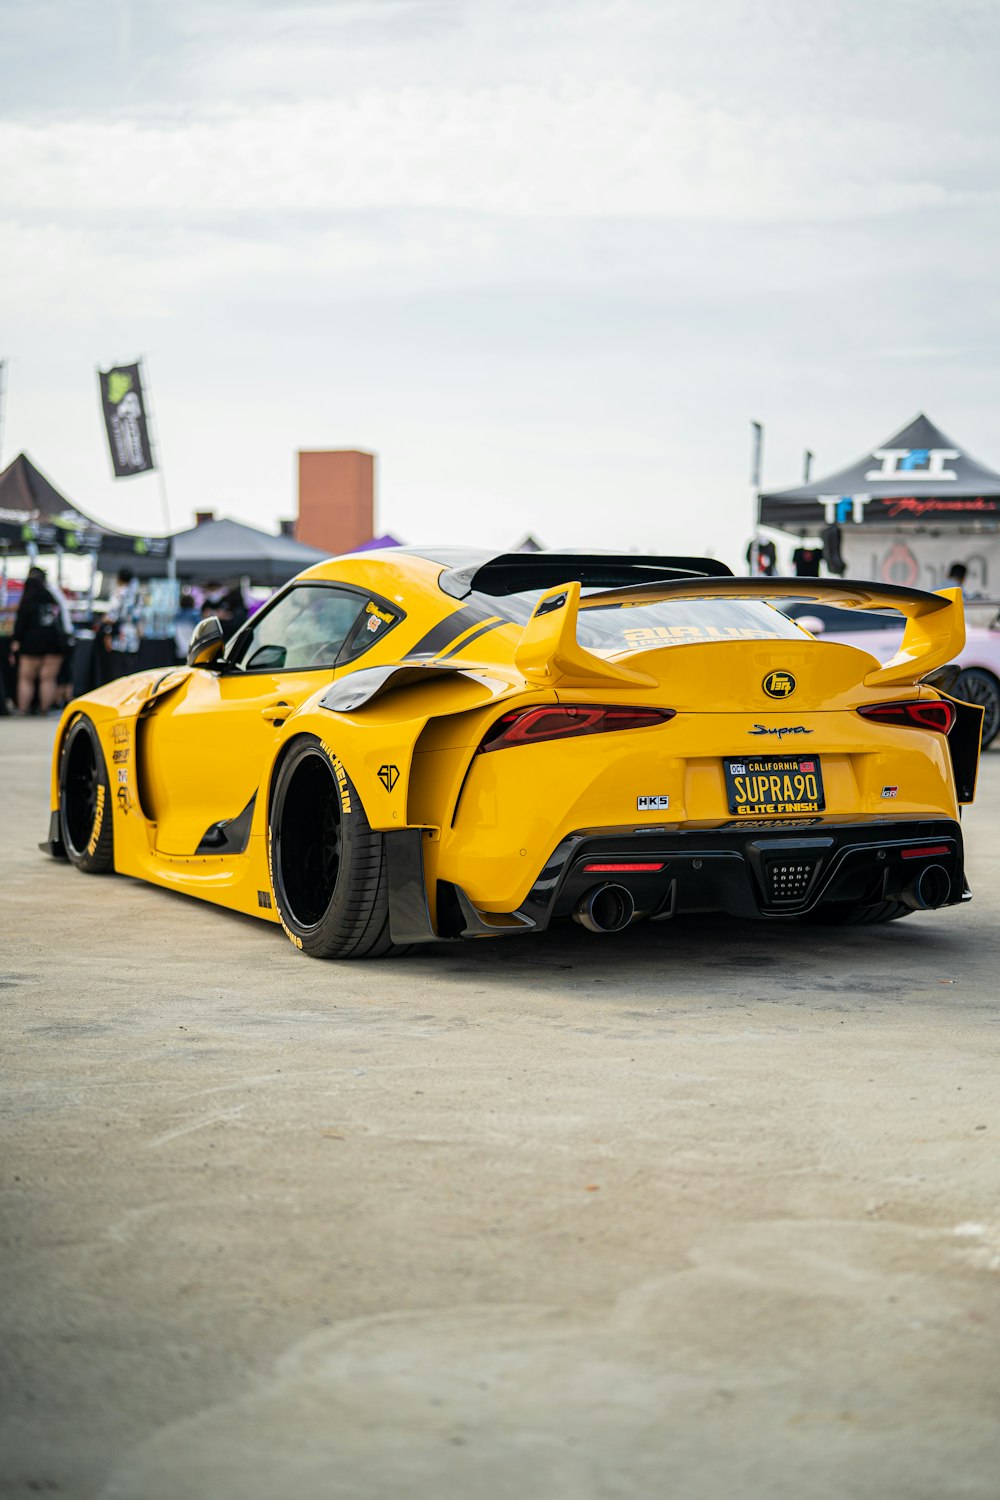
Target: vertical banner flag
125,419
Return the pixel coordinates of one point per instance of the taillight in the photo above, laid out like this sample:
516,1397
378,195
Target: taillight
527,726
936,714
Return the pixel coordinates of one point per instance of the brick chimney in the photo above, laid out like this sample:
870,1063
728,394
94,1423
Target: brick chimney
201,516
336,499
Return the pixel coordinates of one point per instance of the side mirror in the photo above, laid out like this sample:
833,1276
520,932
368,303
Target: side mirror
207,642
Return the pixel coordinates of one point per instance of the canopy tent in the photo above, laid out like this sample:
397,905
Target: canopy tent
217,550
35,516
918,476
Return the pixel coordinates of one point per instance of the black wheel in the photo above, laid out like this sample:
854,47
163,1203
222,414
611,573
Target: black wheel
328,867
848,914
976,685
85,811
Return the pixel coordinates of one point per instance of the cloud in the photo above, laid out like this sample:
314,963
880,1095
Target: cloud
518,151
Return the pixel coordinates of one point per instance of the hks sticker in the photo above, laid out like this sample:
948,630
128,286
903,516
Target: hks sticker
652,804
388,775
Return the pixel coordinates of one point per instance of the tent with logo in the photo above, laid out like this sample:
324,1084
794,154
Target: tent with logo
919,476
36,517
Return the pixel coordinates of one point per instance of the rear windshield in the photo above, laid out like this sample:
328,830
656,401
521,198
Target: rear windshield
681,622
667,622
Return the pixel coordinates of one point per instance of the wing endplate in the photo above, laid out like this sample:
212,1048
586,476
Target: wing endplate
549,654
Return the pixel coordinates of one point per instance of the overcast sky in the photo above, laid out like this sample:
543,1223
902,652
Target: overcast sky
546,258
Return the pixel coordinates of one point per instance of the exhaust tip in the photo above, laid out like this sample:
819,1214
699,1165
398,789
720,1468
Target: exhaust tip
605,908
928,890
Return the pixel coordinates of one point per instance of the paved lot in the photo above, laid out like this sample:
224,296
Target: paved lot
697,1213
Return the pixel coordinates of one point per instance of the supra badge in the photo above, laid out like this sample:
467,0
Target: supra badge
791,729
779,684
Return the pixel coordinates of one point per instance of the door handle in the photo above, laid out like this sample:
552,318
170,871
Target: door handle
277,712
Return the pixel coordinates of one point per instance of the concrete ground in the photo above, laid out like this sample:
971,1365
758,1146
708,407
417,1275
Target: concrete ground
695,1212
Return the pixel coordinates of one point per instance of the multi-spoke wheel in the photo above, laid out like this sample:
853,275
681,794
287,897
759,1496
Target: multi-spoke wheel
328,867
85,799
976,685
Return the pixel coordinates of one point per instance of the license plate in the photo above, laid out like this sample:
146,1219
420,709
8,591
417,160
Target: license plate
768,785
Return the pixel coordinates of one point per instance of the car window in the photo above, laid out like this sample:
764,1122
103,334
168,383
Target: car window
375,621
842,620
306,627
643,627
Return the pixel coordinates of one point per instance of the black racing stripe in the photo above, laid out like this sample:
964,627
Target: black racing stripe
483,629
446,631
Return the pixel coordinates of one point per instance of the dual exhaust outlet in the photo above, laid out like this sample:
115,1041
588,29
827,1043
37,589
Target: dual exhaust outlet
610,908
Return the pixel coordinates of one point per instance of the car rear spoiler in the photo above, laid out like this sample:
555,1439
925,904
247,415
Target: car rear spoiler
519,572
548,650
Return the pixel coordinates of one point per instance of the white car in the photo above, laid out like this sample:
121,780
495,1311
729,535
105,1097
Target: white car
880,634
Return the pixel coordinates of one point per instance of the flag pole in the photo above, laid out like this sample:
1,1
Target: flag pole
157,457
758,449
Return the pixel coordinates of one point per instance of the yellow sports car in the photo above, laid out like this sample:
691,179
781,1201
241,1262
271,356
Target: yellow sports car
427,743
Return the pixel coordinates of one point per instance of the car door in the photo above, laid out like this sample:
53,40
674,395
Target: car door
205,749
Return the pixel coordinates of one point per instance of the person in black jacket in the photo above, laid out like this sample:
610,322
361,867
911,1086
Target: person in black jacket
39,643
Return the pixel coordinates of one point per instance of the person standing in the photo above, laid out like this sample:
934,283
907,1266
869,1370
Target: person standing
121,624
39,642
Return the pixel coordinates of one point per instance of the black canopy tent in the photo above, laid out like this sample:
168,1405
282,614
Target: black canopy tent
36,517
918,477
217,550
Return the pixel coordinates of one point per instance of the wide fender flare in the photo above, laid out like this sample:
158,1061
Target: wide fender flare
115,722
375,743
377,758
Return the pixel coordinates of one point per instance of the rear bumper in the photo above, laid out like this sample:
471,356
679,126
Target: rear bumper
766,874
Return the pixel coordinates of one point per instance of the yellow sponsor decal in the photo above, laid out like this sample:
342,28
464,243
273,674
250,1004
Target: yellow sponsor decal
119,732
680,635
292,937
382,614
98,821
341,775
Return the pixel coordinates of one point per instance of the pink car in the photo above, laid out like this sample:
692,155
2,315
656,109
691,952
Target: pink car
880,634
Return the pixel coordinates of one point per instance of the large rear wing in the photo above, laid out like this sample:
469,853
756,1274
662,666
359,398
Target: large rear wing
548,651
